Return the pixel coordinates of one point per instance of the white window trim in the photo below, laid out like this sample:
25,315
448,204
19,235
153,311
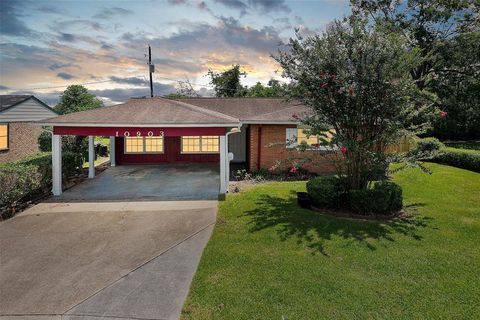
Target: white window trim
144,146
198,152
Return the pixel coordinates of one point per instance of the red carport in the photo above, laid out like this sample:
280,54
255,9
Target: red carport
148,131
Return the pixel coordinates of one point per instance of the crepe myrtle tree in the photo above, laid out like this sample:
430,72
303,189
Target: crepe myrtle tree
355,78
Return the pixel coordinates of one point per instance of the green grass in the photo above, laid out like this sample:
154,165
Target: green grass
97,162
467,145
269,259
468,151
103,140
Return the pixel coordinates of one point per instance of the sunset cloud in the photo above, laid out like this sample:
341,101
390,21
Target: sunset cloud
55,43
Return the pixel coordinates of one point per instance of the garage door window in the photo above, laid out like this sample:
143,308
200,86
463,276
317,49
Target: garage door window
144,145
200,144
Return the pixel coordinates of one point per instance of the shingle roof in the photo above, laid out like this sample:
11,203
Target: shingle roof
290,114
252,109
6,101
146,111
161,111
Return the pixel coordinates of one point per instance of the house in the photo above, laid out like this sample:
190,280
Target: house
258,132
18,135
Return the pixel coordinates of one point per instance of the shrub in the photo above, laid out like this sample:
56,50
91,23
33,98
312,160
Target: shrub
45,141
16,182
74,144
325,191
460,158
71,163
32,175
383,198
427,146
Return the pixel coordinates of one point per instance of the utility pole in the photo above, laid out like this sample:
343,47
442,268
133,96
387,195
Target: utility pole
151,69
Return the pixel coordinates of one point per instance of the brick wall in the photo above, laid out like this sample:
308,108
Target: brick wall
272,148
22,140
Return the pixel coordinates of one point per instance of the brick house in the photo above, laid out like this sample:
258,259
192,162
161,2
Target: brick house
18,135
257,132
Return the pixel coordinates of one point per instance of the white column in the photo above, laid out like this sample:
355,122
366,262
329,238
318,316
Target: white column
56,164
223,159
227,164
112,151
91,157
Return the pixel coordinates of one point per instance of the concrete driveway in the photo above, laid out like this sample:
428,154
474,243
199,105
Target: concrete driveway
150,182
93,260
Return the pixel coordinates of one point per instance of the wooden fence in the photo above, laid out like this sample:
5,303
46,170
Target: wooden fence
404,145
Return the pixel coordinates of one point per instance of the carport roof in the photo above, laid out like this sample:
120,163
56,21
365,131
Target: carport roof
146,111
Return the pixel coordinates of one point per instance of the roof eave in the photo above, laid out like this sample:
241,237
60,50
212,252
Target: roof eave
134,125
269,122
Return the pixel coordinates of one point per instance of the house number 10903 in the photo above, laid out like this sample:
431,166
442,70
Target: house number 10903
139,134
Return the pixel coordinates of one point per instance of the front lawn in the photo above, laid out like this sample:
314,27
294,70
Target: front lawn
269,259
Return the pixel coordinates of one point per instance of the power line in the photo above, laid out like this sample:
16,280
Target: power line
56,87
180,81
106,81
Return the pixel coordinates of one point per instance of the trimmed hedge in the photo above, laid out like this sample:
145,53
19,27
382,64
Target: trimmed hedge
383,197
431,149
324,191
426,148
32,176
460,158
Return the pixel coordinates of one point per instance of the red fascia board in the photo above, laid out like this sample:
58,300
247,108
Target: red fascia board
133,131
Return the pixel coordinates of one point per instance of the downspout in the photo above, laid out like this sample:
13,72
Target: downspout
259,147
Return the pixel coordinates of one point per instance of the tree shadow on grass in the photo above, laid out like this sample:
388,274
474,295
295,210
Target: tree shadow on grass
314,229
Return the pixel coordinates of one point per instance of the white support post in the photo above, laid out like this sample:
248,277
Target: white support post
56,164
227,164
112,151
223,159
91,157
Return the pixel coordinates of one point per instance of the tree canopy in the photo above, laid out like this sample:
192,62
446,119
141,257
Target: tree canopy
273,89
77,98
447,36
227,83
355,78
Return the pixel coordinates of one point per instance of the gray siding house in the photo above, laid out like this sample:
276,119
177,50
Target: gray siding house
18,136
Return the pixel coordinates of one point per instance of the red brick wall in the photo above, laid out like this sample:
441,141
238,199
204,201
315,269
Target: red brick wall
272,148
22,140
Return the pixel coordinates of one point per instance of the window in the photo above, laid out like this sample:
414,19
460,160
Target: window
200,144
143,144
3,136
296,136
303,138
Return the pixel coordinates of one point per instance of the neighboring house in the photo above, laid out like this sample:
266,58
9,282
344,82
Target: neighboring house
158,130
18,136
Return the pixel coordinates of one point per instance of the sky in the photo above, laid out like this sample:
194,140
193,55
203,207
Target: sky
47,45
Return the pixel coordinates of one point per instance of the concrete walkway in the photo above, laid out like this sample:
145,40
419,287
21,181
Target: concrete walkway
112,260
